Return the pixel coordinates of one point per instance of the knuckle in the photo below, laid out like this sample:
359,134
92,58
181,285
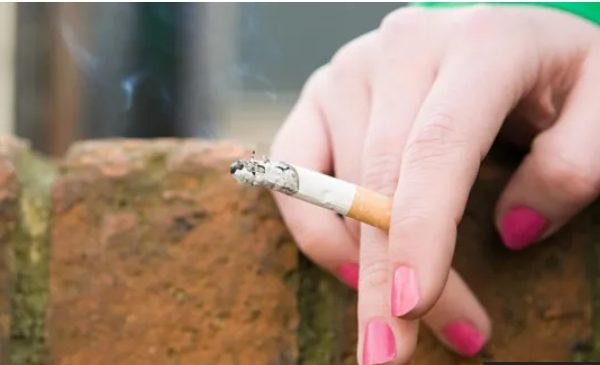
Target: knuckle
376,273
478,16
482,31
479,11
563,173
478,21
412,217
434,141
402,20
316,81
352,58
408,37
400,26
416,219
380,173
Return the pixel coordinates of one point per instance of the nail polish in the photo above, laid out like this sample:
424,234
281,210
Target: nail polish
348,273
464,338
521,226
405,291
379,345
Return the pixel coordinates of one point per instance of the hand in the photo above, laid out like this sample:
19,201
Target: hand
410,110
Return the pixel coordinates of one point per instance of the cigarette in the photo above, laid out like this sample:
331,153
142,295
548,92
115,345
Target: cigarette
319,189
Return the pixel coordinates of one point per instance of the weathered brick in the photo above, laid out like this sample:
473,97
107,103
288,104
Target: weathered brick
30,296
159,257
25,181
539,299
9,190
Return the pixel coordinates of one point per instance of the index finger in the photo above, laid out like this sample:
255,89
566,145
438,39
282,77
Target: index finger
453,131
304,141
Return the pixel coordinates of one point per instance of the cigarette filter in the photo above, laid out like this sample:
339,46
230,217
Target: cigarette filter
325,191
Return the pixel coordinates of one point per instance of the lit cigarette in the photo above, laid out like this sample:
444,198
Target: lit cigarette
325,191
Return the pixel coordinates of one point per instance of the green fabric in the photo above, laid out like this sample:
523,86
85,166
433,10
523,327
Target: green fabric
589,11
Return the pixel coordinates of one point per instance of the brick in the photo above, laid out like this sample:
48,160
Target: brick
23,239
30,246
328,330
9,190
539,299
159,257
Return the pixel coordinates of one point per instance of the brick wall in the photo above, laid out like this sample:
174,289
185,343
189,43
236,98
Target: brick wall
147,252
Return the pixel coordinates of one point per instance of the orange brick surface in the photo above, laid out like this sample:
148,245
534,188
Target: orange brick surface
159,257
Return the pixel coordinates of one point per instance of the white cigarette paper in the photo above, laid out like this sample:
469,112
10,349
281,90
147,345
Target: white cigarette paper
319,189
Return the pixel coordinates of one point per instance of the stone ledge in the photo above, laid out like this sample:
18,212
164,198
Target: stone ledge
157,256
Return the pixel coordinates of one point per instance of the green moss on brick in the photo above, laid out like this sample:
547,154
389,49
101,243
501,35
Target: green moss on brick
31,252
322,301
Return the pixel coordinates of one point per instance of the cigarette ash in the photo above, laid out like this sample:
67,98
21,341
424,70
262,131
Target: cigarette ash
274,175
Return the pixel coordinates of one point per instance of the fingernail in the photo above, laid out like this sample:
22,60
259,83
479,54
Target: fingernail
405,291
348,273
521,226
464,337
379,344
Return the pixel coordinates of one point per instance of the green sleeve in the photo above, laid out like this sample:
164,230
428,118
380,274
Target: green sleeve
589,11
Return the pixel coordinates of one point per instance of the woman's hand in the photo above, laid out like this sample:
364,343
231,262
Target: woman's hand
410,110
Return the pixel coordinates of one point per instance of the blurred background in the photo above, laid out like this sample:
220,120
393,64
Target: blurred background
210,70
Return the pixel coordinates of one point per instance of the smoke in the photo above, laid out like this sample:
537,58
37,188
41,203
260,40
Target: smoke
120,84
129,85
245,75
84,59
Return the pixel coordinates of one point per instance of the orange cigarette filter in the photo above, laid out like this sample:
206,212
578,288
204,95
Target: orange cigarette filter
371,208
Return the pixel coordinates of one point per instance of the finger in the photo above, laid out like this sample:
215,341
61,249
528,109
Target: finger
319,233
458,319
561,174
400,81
394,105
384,339
346,110
452,132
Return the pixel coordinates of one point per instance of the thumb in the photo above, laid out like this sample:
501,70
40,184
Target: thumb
561,174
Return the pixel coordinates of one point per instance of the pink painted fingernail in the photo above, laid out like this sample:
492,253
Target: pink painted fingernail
379,344
464,337
348,273
405,291
521,226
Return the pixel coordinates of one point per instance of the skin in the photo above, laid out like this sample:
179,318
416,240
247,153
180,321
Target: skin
419,101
